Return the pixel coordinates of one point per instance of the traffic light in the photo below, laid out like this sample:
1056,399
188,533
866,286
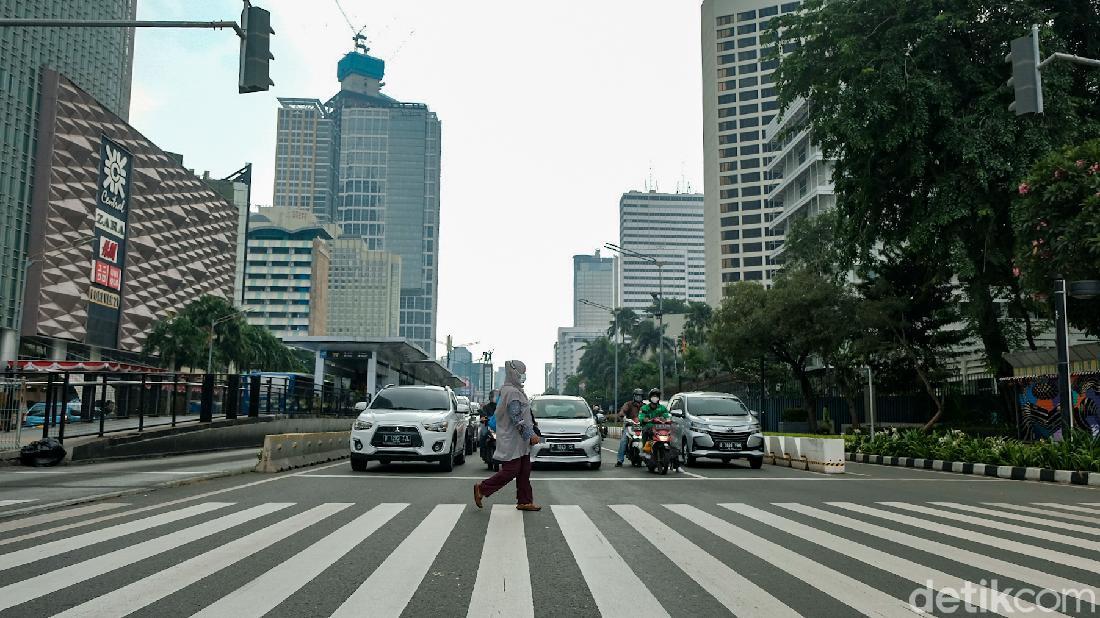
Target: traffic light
255,50
1026,80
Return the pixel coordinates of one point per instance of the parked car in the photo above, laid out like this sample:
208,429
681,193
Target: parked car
716,426
36,414
465,406
569,431
409,423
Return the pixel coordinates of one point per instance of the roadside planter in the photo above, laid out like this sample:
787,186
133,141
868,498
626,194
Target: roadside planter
825,455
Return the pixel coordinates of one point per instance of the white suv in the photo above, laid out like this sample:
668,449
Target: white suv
410,423
569,431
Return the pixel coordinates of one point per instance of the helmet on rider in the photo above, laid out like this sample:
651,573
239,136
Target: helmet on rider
639,395
655,395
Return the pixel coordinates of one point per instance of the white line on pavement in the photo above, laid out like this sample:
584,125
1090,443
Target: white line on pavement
503,584
946,584
962,556
1049,513
1070,507
61,546
126,600
62,578
859,596
35,520
728,587
1021,531
392,585
263,593
827,478
621,596
10,502
1092,566
1039,521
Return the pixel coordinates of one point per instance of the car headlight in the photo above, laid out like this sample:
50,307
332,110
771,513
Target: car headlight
362,425
699,427
439,427
592,431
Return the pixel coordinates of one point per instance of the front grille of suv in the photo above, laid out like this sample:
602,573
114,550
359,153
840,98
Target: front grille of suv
735,436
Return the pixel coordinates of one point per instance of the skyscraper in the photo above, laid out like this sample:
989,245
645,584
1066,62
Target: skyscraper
669,227
99,61
370,164
593,280
739,99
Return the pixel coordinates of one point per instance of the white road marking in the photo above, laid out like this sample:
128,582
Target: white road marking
957,554
947,585
35,520
59,579
728,587
1094,520
817,477
392,585
503,584
1092,566
1070,507
859,596
80,541
621,596
1022,531
129,599
263,593
11,502
1039,521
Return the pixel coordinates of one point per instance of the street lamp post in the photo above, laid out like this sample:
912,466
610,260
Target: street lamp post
659,298
210,348
619,333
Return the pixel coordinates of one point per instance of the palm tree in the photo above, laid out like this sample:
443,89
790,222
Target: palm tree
647,337
623,322
697,323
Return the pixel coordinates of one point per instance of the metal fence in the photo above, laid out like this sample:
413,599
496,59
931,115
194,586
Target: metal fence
70,404
11,410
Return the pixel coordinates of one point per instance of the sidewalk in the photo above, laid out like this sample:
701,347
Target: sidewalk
23,489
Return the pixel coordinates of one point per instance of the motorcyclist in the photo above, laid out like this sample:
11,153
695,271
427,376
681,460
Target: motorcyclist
629,410
649,413
488,419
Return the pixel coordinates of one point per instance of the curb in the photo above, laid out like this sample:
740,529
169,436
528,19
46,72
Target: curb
125,492
1065,477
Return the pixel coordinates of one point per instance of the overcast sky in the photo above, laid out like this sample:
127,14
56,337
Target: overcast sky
550,112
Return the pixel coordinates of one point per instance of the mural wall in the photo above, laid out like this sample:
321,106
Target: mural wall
1040,406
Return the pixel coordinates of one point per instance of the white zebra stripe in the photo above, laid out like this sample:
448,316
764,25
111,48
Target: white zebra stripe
983,597
1023,531
1034,551
728,587
1095,521
80,541
1038,521
129,599
1070,507
62,578
35,520
392,585
11,502
503,584
263,593
621,596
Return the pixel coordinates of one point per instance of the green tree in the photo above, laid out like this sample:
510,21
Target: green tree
794,321
1057,220
697,324
911,105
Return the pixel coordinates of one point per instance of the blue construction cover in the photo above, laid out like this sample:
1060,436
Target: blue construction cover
355,62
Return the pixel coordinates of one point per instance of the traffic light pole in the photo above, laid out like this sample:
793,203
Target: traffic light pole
104,23
1027,80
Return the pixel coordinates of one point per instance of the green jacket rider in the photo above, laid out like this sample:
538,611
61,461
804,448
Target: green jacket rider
653,410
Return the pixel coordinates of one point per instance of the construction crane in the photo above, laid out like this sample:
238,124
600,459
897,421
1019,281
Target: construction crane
451,346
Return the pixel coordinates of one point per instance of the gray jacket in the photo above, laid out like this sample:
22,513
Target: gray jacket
515,426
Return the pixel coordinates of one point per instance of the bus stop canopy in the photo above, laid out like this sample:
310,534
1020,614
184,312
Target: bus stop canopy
384,360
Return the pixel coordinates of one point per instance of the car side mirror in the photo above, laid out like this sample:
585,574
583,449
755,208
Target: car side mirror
361,406
678,413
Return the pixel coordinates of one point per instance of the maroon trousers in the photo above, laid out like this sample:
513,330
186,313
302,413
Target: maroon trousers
518,469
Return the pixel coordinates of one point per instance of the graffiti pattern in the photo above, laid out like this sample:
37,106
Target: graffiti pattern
1041,406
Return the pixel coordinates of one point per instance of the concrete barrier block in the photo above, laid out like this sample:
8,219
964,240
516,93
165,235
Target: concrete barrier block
773,449
286,451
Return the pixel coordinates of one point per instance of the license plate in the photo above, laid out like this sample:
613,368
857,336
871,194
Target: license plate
561,448
729,446
396,439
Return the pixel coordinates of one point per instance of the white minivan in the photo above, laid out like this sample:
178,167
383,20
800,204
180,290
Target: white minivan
716,426
410,423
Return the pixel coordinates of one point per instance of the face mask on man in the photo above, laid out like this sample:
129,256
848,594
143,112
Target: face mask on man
523,378
654,400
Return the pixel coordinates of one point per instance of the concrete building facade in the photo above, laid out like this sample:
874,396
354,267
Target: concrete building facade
594,281
364,290
669,227
99,62
739,100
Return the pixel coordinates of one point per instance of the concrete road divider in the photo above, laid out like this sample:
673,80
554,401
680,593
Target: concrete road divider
295,450
814,454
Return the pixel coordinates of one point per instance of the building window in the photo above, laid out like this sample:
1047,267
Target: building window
730,221
751,247
790,7
748,54
746,15
727,98
750,109
753,232
746,28
731,235
750,205
754,275
731,277
754,261
724,20
749,136
730,249
750,177
769,11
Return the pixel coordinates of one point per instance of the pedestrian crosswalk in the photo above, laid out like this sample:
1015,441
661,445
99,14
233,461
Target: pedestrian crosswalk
638,560
11,502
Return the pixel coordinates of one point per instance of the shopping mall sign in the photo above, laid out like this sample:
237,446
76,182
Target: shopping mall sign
108,266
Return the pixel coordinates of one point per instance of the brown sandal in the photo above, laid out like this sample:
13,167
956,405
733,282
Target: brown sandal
530,506
477,494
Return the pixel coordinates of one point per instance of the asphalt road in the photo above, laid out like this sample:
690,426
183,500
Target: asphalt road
406,540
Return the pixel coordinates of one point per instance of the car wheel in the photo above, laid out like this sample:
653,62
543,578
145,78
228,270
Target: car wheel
595,465
756,462
448,462
359,465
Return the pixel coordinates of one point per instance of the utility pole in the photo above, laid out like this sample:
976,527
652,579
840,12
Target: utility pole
1027,79
659,298
619,332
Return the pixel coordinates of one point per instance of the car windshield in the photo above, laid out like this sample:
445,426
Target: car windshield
716,406
560,408
394,399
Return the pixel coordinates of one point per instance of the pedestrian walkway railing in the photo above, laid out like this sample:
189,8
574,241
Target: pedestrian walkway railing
75,403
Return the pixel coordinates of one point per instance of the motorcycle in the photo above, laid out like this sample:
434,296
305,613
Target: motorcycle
634,446
489,449
657,453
